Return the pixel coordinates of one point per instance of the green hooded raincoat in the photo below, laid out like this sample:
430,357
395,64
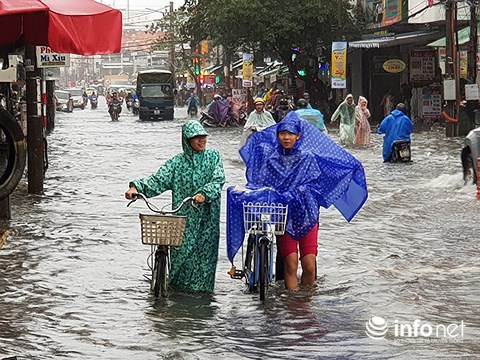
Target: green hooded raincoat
194,263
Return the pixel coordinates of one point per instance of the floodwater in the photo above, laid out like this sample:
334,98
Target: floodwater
73,266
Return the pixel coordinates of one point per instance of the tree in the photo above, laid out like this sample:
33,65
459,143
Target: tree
299,33
178,38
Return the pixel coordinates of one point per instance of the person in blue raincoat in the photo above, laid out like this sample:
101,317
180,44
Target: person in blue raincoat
396,126
313,116
294,163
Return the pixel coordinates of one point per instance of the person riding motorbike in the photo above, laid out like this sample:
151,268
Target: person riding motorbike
397,128
115,104
257,120
306,96
217,114
282,109
135,103
193,104
313,116
85,97
93,100
129,101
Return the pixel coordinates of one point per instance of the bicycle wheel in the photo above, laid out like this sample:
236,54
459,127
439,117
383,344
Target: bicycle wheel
264,270
160,274
249,258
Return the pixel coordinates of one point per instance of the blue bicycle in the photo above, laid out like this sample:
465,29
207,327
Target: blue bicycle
262,222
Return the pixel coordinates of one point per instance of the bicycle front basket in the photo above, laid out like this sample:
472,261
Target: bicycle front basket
162,229
256,217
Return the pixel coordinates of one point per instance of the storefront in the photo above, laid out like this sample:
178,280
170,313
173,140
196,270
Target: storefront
399,65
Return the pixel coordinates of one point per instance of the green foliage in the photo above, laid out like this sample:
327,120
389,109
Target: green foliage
274,26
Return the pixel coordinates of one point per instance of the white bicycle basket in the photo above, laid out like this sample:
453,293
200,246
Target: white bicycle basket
162,229
258,217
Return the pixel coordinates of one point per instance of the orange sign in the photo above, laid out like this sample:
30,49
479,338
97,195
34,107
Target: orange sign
394,66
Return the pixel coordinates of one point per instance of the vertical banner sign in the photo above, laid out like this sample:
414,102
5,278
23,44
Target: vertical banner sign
392,12
478,59
463,63
204,47
339,65
247,70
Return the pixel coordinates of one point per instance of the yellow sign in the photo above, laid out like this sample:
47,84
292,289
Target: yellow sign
204,47
247,70
339,65
463,63
394,66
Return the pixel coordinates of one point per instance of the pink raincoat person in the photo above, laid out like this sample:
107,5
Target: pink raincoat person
362,126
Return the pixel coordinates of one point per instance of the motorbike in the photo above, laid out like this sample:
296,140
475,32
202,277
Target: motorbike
218,115
135,107
281,112
193,111
129,104
115,109
401,151
238,114
93,103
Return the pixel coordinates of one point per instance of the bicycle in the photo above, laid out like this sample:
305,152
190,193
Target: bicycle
261,222
161,231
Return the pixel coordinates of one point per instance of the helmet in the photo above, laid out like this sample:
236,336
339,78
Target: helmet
306,95
302,103
258,101
283,101
217,97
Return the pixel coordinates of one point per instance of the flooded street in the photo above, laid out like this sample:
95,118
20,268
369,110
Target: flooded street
73,267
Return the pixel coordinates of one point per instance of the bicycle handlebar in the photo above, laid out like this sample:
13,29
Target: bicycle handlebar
153,208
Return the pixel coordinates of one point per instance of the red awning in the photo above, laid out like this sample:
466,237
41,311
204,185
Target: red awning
83,27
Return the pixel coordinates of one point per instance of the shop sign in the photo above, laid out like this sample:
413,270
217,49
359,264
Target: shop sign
471,92
394,66
381,13
247,70
431,104
392,12
339,65
422,66
48,58
209,79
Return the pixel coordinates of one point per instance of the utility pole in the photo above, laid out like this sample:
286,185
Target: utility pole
172,38
34,123
451,62
472,45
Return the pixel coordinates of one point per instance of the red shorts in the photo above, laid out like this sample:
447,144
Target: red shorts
308,244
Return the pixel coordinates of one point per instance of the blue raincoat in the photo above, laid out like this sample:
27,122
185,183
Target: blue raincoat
396,126
313,116
315,172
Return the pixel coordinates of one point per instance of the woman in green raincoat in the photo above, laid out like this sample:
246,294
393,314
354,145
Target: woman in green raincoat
346,113
196,172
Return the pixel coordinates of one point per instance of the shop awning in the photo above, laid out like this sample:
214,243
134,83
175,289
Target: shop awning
83,27
463,37
416,37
